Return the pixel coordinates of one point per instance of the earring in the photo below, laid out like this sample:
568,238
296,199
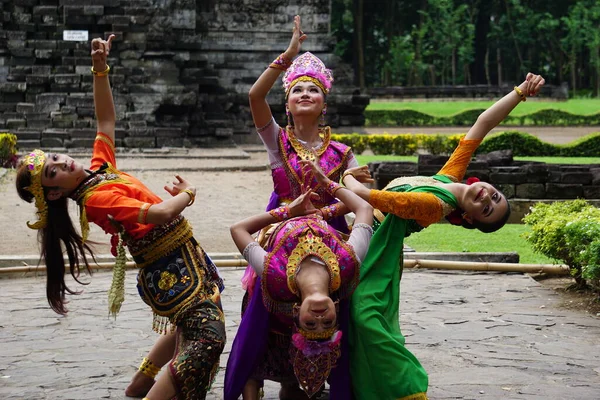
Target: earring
322,121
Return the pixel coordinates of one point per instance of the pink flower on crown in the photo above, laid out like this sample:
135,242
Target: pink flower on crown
308,67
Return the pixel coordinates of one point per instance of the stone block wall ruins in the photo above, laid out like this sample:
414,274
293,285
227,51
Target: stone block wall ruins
180,69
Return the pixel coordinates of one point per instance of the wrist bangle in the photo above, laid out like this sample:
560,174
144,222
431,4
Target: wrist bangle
329,211
345,174
332,187
192,196
280,213
101,73
520,93
281,62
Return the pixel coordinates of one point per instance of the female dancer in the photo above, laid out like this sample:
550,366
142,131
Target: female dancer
177,279
306,267
306,83
382,368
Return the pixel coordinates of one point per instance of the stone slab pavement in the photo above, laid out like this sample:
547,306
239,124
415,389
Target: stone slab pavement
479,335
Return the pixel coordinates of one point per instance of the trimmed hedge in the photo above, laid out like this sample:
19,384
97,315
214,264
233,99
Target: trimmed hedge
521,143
406,117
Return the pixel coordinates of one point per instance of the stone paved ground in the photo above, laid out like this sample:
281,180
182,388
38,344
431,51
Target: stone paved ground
480,336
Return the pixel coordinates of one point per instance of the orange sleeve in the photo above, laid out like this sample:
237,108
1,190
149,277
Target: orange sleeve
104,150
122,208
456,166
424,208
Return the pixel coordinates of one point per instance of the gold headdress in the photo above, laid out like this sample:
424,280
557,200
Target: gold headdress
35,164
311,244
307,68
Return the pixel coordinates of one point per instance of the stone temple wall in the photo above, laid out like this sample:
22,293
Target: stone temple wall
180,69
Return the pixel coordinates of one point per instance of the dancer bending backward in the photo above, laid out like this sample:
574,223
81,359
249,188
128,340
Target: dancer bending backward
306,83
382,368
176,279
306,268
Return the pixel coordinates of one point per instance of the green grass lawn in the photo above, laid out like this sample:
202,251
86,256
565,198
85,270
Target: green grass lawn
447,108
362,160
446,237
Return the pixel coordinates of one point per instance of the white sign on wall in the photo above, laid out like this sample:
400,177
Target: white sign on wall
75,36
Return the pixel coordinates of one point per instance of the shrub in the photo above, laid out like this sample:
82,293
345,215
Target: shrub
435,144
381,144
568,231
8,150
406,117
358,142
522,144
587,146
404,145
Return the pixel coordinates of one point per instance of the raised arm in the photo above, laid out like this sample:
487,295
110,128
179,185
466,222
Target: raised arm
491,117
261,112
103,99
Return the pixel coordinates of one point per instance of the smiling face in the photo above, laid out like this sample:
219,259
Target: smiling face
306,99
484,203
317,313
61,172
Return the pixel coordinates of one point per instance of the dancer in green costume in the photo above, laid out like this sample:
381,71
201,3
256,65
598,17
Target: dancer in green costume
381,367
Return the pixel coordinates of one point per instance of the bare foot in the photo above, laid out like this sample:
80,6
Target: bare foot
139,386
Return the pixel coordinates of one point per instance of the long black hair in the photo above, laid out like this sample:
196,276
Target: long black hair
59,228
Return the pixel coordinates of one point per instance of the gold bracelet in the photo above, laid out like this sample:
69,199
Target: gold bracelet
148,368
101,73
520,93
192,196
345,174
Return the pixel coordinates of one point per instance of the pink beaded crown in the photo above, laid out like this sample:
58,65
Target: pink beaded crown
307,68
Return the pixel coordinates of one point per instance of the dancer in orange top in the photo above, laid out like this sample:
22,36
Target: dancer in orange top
176,279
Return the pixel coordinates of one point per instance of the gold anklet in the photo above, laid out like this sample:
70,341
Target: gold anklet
148,368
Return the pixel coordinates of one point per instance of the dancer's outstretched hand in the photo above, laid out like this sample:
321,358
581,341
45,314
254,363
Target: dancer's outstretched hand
179,185
361,174
297,38
101,49
534,84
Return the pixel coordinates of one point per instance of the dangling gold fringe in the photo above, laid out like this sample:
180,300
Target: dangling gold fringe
116,293
83,222
161,325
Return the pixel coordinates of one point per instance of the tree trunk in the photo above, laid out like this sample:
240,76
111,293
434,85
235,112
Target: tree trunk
417,79
499,65
487,67
359,53
573,62
390,23
597,70
482,28
512,34
454,66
